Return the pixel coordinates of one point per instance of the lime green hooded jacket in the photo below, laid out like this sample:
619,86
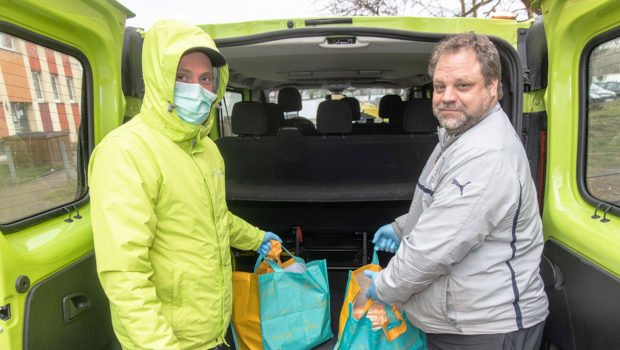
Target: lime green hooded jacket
162,230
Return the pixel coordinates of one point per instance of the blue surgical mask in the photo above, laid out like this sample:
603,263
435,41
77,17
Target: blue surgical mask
192,102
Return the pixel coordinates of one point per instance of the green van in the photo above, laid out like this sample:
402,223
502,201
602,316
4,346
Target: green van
70,72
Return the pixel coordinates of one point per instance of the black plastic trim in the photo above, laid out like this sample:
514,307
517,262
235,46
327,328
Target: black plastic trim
532,47
44,324
584,68
328,21
505,49
85,126
583,307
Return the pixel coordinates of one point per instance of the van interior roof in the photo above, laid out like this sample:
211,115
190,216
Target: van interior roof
311,62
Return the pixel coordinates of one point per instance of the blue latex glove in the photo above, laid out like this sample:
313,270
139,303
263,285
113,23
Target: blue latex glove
371,293
386,239
265,247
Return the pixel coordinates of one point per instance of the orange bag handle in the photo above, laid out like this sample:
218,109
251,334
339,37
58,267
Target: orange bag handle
394,332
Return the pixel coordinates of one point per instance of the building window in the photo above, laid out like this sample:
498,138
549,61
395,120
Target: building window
55,87
20,117
6,41
36,81
602,163
70,88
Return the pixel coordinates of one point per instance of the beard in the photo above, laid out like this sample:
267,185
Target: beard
457,118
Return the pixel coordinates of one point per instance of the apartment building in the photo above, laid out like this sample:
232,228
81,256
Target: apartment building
40,89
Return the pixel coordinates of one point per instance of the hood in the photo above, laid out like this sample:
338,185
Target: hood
164,44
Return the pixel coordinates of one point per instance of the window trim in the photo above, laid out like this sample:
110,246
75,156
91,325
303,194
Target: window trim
16,120
37,85
86,134
70,89
55,87
584,69
2,46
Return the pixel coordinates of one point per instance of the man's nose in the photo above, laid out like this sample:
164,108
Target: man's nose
448,94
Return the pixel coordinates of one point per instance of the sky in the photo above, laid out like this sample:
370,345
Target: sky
218,11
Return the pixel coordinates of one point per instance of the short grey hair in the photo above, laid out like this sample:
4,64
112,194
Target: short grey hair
485,52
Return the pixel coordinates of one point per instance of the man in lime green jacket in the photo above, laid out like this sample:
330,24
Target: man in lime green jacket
162,230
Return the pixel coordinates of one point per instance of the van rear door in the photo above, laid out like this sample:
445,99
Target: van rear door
59,94
581,260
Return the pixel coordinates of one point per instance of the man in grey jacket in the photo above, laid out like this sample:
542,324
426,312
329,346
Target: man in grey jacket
466,263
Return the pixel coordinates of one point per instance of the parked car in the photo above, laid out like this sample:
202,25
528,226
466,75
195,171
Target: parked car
611,86
71,73
599,94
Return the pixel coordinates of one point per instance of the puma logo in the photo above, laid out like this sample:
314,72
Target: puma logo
461,187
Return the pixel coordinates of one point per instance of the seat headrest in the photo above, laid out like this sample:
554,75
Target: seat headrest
275,117
391,106
289,132
355,107
418,117
334,117
289,99
249,118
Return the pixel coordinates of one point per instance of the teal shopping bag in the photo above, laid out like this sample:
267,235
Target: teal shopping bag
357,332
294,306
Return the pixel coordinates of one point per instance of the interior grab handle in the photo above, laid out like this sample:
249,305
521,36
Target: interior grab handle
74,306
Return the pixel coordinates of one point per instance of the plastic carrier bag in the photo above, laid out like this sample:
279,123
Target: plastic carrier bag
278,309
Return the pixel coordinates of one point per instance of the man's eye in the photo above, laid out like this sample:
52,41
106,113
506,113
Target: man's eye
180,77
439,87
463,86
206,79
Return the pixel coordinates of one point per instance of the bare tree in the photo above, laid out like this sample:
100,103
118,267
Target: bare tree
458,8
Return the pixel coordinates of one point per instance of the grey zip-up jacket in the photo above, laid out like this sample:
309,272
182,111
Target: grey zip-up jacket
469,258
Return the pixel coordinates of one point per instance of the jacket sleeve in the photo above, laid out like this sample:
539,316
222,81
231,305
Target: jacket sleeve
454,224
399,225
123,193
242,234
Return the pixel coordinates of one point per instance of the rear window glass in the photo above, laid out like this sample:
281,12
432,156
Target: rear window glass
40,115
368,98
603,123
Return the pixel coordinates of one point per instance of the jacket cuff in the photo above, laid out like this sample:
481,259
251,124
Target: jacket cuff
399,224
261,236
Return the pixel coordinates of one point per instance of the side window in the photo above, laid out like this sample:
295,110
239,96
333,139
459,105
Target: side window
602,156
39,123
230,98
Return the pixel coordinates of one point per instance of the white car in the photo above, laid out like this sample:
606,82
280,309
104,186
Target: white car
598,94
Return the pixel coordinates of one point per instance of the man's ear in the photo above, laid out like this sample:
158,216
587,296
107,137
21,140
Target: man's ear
493,87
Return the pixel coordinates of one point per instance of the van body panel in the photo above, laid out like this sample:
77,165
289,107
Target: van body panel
570,25
505,29
49,262
91,31
581,258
